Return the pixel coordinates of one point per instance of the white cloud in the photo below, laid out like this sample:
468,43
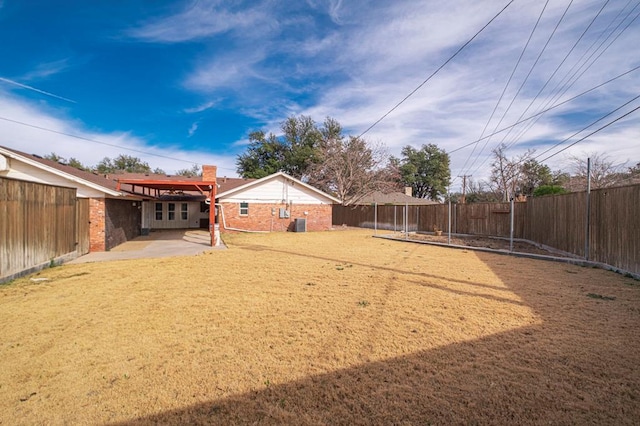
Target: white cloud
200,20
41,142
192,129
46,69
200,108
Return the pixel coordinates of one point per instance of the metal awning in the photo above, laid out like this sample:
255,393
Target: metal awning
153,188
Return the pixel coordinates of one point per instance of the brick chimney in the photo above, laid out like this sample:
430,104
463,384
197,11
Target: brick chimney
209,173
408,191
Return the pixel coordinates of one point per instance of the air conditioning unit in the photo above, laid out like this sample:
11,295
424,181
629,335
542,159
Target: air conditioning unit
300,225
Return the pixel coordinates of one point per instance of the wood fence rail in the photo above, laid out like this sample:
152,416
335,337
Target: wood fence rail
558,221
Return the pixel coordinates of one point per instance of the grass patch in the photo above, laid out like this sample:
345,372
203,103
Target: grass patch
239,337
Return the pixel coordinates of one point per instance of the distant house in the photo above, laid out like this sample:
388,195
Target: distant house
277,202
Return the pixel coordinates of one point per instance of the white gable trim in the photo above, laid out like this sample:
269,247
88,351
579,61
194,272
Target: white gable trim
255,183
12,155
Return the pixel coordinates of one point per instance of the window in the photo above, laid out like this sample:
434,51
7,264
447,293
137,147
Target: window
172,211
244,209
158,211
184,212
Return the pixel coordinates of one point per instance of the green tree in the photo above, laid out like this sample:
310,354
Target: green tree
122,163
194,171
549,190
264,156
73,162
532,175
295,152
426,170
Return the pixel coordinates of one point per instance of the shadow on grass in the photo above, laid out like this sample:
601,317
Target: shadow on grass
570,369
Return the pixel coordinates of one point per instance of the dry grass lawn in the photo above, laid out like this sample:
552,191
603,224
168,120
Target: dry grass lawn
321,328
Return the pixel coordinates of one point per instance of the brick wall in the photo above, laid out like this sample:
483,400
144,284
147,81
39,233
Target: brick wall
260,217
123,221
97,228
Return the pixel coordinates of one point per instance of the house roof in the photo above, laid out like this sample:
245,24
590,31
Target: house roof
248,183
93,180
226,184
394,198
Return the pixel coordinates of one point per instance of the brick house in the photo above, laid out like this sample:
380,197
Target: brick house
112,209
277,202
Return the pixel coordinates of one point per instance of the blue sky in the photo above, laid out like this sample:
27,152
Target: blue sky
189,80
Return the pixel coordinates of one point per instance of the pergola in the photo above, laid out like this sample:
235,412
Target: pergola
153,188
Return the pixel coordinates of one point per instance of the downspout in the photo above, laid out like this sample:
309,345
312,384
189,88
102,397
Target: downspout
224,223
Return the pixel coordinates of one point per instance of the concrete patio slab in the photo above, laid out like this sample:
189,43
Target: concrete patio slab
166,243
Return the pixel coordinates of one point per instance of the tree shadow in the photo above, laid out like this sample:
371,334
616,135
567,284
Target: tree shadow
578,366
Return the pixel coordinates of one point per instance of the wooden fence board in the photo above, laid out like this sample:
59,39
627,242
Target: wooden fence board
37,224
558,221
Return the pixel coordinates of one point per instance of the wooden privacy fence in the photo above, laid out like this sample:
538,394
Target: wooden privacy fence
558,221
38,223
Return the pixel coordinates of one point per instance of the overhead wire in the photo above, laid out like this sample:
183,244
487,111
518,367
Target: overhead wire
436,71
546,110
585,128
506,86
591,134
559,66
524,81
582,69
102,142
551,77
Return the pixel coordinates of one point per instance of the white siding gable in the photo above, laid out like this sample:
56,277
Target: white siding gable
22,171
277,190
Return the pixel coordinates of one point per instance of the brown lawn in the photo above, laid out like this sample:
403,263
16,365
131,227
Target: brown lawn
321,328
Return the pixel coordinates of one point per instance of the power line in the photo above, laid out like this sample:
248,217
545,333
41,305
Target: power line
559,65
533,66
590,134
436,71
506,86
561,88
546,110
101,142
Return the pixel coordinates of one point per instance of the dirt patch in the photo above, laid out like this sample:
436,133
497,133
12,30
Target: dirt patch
486,242
321,328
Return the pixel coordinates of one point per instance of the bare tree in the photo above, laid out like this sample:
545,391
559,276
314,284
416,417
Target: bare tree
603,172
506,173
351,168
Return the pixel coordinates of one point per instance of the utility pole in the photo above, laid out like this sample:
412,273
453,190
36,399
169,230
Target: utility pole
463,199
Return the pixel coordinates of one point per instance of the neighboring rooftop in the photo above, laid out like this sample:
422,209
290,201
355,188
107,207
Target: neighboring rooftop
394,198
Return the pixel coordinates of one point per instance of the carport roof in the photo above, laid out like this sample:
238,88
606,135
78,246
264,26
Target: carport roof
169,183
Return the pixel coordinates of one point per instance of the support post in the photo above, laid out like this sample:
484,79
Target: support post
395,221
406,221
375,218
587,230
511,225
449,220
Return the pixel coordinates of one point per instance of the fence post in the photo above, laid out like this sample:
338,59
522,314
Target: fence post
395,222
511,226
406,221
375,218
449,224
588,213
